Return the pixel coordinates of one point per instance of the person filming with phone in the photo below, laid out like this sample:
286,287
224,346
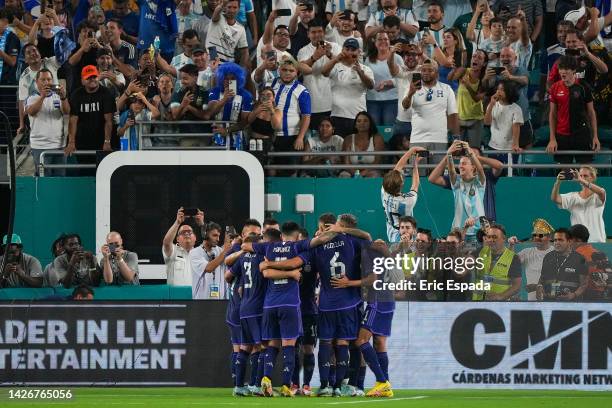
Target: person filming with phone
434,111
586,206
76,266
119,266
176,256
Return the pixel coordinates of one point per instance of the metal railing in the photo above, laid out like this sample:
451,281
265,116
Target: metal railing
381,166
144,126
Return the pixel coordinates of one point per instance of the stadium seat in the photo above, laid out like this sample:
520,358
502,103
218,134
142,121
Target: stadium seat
541,136
537,159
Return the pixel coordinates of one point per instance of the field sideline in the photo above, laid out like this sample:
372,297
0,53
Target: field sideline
208,397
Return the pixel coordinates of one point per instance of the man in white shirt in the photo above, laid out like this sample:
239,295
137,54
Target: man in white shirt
276,35
531,258
517,38
349,80
408,23
227,34
207,266
341,27
176,256
312,59
27,82
434,111
46,109
585,206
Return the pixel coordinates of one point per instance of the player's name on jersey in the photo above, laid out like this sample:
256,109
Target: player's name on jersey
449,285
332,245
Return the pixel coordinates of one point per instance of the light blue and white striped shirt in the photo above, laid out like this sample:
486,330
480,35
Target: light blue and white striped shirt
396,207
469,202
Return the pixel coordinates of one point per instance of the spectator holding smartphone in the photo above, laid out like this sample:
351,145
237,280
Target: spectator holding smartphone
586,206
341,27
403,75
408,23
176,256
260,118
21,269
46,110
141,110
227,34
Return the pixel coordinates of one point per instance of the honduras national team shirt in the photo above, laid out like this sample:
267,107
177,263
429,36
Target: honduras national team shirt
339,257
282,292
254,284
396,207
232,313
149,28
308,286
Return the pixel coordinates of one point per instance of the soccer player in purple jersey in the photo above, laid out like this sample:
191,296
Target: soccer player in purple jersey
251,226
281,321
253,284
335,256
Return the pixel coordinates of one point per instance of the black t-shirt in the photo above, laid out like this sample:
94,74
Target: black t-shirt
12,46
299,40
200,100
579,96
557,267
90,109
45,46
126,53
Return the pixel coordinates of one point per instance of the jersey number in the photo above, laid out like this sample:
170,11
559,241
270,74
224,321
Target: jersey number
281,281
337,269
249,279
391,217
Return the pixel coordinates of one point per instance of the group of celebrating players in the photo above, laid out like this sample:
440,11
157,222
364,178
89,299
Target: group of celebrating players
288,291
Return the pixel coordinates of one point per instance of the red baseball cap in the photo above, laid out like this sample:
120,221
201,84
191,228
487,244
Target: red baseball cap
89,71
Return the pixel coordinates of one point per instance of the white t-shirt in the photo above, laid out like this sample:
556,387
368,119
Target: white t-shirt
504,116
318,85
333,35
27,80
396,207
207,285
348,92
178,266
531,259
587,212
47,125
429,117
402,83
381,73
260,45
227,38
334,144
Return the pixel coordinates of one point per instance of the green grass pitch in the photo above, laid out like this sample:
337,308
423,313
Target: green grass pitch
217,397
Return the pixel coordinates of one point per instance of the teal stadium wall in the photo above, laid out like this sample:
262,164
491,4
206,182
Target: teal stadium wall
48,206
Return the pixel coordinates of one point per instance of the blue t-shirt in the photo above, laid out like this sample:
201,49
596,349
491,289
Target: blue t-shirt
232,313
149,28
339,257
308,286
246,6
282,292
130,21
254,284
245,106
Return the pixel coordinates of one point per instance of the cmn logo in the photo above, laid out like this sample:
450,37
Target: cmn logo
529,339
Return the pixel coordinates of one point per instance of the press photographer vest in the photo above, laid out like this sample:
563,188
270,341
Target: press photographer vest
497,275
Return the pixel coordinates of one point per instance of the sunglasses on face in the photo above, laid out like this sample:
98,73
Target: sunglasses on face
538,235
491,236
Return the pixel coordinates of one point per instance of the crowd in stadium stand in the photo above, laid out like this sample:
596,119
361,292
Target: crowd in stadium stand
426,73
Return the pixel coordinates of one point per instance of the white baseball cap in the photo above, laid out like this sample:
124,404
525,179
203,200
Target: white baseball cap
575,15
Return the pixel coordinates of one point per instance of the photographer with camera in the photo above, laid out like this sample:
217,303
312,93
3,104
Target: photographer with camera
119,266
564,271
599,278
208,266
46,109
21,269
75,266
585,206
176,256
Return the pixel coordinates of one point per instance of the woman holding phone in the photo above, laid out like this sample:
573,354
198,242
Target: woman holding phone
260,119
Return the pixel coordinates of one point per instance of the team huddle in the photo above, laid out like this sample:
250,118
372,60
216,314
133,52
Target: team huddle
288,291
